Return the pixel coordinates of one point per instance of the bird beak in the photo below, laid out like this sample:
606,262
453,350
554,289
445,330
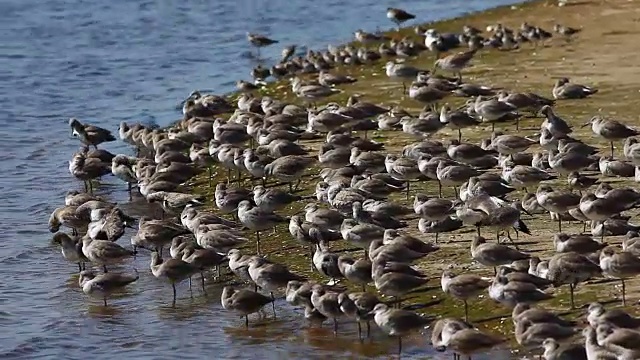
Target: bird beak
586,124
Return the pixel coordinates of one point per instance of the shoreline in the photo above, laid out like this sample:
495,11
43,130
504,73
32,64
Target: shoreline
529,68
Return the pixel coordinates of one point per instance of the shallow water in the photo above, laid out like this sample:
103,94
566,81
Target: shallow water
105,62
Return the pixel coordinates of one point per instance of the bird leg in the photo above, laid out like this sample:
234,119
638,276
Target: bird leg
359,330
440,188
335,326
571,287
173,285
79,267
408,184
399,345
246,321
466,310
273,305
129,190
611,150
624,300
202,280
104,268
105,301
258,242
559,223
459,135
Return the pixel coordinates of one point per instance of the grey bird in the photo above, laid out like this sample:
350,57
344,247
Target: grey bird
563,89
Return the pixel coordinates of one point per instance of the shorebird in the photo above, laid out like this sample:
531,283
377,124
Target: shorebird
327,304
492,110
356,271
595,350
625,343
90,134
523,176
273,199
104,252
399,16
358,306
554,351
597,314
492,254
563,89
311,92
619,265
525,312
463,287
579,181
558,202
583,244
510,144
172,270
402,168
455,62
396,322
257,219
243,301
611,130
534,334
571,268
289,169
71,249
259,41
401,71
468,341
457,119
104,285
270,276
511,293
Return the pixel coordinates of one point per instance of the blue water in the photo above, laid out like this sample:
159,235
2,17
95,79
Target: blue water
110,61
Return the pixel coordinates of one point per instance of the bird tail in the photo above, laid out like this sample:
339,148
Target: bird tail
522,227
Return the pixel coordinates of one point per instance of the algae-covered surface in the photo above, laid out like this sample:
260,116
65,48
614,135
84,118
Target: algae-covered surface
602,55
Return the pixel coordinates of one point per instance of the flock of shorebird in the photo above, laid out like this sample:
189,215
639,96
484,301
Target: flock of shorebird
263,139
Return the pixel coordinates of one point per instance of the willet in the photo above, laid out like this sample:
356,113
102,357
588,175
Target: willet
457,120
511,293
172,270
437,340
326,302
239,264
396,322
104,252
257,219
396,284
360,235
566,162
533,334
243,301
71,249
103,285
631,243
228,198
525,312
468,341
311,92
356,271
571,268
455,62
399,16
401,71
158,233
326,262
270,276
259,41
510,144
466,153
595,350
619,265
454,175
204,259
611,130
90,134
522,176
563,89
402,168
392,251
554,351
122,168
380,219
88,169
631,150
523,276
615,168
556,201
328,218
492,254
463,287
358,306
492,110
289,168
619,318
392,236
556,126
273,199
579,181
583,244
175,202
625,343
